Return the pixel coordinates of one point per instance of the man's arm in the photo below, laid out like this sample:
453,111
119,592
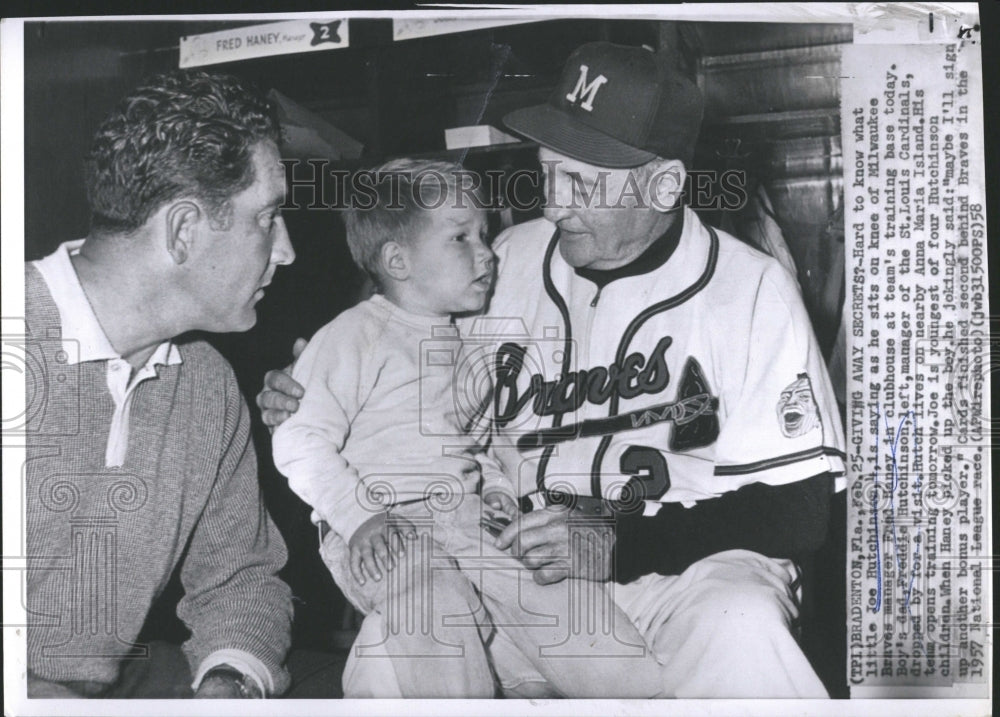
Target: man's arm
787,521
236,607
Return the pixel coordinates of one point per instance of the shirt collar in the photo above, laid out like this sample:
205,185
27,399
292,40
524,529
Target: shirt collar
433,325
83,339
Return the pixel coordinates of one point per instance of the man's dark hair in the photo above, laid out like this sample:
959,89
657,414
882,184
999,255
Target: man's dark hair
180,134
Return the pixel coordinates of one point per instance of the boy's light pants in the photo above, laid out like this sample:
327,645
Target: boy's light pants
426,633
722,628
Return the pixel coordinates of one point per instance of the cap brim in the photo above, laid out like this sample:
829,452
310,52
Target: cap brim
552,128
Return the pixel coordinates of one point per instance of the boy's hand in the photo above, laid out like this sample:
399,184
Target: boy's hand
502,503
279,398
375,545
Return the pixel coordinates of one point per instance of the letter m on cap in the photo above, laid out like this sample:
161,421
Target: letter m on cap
589,91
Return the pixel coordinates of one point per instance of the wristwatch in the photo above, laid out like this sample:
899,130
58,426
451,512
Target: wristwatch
246,684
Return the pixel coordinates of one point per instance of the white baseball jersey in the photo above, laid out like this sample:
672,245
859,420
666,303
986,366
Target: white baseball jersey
683,383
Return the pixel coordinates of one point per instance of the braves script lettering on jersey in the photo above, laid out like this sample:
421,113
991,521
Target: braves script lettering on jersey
680,384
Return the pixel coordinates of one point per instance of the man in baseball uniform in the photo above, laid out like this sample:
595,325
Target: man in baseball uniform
657,378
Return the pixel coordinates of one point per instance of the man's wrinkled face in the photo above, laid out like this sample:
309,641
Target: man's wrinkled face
603,214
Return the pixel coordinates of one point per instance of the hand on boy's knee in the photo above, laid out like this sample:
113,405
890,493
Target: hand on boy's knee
376,545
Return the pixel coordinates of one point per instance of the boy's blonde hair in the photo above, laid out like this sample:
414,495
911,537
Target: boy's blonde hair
393,198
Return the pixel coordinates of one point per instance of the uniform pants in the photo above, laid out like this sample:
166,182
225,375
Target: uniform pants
432,620
724,628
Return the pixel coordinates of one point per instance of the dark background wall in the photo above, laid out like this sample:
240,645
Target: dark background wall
771,90
769,112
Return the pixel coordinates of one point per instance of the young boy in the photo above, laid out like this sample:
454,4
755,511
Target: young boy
379,451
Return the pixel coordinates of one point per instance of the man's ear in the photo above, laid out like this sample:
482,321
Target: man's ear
182,219
395,261
666,184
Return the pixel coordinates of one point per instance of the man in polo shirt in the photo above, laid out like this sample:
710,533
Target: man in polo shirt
142,461
661,379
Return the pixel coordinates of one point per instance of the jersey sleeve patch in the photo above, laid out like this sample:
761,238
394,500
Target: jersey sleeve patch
797,411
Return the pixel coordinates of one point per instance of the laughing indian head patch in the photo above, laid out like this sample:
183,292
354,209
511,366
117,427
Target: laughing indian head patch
797,410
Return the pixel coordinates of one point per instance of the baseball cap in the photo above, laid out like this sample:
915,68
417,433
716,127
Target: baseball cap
616,106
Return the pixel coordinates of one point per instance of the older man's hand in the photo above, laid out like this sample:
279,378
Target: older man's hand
279,398
557,543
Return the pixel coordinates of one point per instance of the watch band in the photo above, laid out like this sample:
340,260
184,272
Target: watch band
247,686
